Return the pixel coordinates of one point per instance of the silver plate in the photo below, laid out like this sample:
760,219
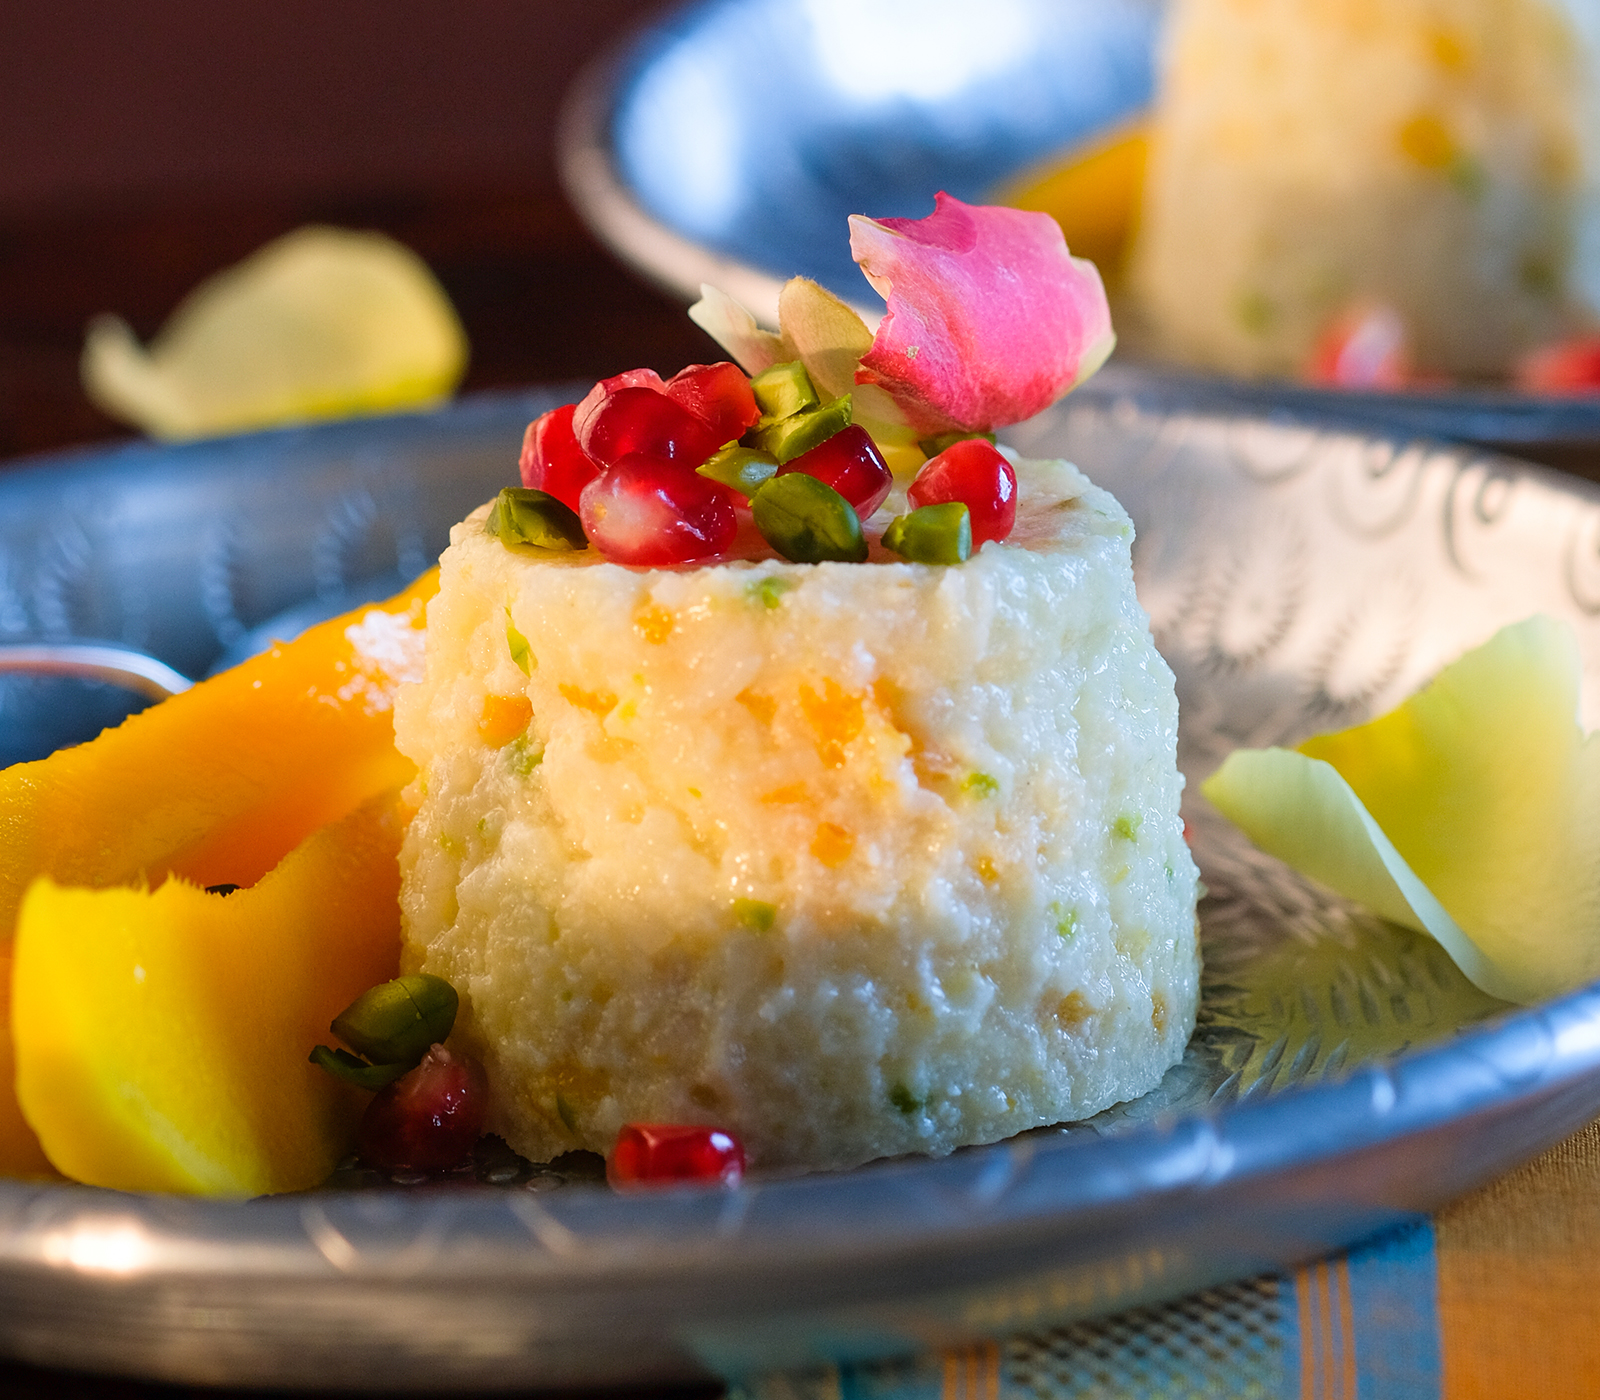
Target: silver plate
729,142
1344,1076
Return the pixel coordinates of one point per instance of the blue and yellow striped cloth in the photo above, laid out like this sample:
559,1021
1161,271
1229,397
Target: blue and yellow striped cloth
1497,1296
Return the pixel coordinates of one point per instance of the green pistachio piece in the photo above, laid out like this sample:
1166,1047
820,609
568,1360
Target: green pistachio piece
343,1065
807,521
755,914
940,534
783,390
524,515
933,446
903,1099
787,438
521,655
742,468
769,591
395,1022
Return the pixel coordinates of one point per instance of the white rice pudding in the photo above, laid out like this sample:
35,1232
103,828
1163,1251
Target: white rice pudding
849,859
1438,156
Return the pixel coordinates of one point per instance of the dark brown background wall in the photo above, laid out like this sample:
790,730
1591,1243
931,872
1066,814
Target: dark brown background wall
103,100
147,143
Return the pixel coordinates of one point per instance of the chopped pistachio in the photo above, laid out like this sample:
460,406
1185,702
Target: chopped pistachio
395,1022
351,1068
940,534
1066,920
783,390
788,438
565,1112
980,785
807,521
769,591
524,755
755,914
1127,826
903,1099
743,469
521,655
525,515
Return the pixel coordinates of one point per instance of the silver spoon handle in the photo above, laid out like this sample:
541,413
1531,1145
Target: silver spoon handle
133,670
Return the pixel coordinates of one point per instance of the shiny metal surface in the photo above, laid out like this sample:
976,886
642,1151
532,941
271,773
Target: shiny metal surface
1343,1076
730,142
123,666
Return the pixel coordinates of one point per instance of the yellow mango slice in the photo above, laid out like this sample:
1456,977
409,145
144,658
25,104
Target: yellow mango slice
220,783
161,1035
216,785
1470,812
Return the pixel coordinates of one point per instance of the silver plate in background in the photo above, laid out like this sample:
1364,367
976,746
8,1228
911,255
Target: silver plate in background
730,141
1344,1076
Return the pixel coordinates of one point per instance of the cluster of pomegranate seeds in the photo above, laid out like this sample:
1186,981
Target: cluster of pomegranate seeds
429,1119
625,459
975,473
655,1153
849,462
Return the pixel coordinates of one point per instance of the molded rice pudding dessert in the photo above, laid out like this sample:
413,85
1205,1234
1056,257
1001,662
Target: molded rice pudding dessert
854,859
849,858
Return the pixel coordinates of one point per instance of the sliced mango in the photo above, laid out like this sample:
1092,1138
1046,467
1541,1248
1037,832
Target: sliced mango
161,1035
215,785
1470,812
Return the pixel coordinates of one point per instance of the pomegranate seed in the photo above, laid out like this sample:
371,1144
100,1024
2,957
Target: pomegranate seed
630,379
648,1153
849,462
1363,347
429,1119
645,510
551,458
974,472
718,395
1567,367
634,420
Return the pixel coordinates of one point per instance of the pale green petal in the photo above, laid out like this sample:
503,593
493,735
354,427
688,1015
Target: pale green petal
321,323
1300,810
736,331
1486,796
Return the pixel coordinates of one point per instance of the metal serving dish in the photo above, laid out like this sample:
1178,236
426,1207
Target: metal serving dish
1344,1076
729,142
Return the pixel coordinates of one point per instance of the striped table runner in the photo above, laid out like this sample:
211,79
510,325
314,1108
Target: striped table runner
1497,1296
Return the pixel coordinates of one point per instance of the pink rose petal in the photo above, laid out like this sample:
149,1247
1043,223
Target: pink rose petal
990,319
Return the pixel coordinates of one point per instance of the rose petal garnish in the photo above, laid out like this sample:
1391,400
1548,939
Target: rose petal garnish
990,319
736,331
1471,812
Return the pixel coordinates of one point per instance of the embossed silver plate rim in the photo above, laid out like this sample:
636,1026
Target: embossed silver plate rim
496,1289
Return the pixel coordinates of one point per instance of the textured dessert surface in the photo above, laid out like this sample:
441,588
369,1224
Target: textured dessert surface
1431,155
852,860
